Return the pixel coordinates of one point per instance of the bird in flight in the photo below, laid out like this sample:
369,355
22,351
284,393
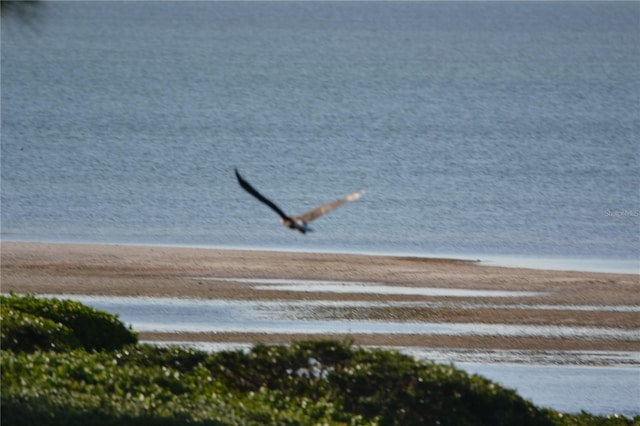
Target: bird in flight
297,222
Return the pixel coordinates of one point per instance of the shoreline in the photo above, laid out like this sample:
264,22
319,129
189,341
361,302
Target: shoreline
519,261
570,298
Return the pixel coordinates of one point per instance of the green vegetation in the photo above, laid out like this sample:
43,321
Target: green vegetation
30,323
54,371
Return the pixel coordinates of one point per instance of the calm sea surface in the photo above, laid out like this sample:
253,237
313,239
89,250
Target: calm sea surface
477,129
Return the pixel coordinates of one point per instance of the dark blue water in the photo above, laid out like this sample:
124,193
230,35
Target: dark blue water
477,129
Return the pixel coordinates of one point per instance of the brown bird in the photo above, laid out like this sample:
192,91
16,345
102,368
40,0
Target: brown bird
297,222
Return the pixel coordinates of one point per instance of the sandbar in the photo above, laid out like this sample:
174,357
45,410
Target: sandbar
608,299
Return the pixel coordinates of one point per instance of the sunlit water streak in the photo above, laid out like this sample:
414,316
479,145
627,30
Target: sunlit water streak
200,315
361,287
319,286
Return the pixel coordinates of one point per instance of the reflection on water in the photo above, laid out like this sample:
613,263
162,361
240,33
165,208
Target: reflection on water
356,287
598,390
202,315
388,290
621,359
511,356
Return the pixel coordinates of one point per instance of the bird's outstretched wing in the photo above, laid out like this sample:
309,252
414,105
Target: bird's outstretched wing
251,190
326,208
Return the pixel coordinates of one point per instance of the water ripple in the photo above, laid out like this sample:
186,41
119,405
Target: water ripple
152,314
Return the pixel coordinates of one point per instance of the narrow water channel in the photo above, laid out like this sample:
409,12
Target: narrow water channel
613,389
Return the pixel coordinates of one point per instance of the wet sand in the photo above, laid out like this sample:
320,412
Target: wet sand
582,298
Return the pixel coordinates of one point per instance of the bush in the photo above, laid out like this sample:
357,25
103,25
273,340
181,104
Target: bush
402,391
379,385
111,388
29,323
306,383
45,381
24,332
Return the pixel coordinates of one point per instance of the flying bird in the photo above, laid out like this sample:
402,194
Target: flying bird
297,222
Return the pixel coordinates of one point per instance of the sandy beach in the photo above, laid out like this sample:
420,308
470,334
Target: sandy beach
586,299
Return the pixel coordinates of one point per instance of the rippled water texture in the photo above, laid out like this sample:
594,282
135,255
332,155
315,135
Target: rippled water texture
478,129
317,286
203,315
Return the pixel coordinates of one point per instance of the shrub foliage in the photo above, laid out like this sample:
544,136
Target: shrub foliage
306,383
30,323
